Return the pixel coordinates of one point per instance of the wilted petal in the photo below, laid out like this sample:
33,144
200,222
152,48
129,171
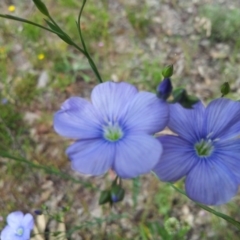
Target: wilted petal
211,183
14,219
177,159
187,123
93,157
222,118
77,119
146,113
136,154
111,99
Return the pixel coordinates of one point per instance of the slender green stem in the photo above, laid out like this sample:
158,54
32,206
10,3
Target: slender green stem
49,170
61,33
29,22
90,60
208,209
85,51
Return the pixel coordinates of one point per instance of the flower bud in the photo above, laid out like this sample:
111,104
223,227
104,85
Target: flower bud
117,193
41,7
180,96
164,89
104,197
225,88
167,71
38,212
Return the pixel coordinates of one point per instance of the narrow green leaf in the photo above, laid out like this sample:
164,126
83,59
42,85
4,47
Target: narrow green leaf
85,52
41,7
49,170
27,21
52,26
61,34
66,39
208,209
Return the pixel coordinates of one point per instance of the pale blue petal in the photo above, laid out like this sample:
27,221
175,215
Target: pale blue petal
210,182
146,113
28,221
136,155
222,119
112,99
228,152
93,157
77,119
177,159
187,123
14,219
8,233
26,234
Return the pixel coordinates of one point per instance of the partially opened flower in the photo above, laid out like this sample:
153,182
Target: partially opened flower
113,131
206,150
19,226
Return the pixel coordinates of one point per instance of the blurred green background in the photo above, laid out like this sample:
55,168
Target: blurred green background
129,41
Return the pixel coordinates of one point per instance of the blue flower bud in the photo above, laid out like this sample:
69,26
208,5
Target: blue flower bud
164,89
117,193
38,212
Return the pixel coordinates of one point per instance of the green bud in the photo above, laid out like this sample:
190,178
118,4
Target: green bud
41,7
104,197
225,88
180,96
167,71
117,193
189,101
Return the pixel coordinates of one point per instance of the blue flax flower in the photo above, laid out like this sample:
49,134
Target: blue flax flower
206,150
19,226
115,130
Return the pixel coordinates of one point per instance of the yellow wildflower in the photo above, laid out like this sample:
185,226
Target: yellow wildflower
41,56
11,8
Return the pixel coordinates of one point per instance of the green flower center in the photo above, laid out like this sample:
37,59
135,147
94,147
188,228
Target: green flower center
112,132
19,231
204,148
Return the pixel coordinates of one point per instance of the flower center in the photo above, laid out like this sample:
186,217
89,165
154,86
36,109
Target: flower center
19,231
204,148
112,132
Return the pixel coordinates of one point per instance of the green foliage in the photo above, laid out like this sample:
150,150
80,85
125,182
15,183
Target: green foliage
95,22
31,33
25,88
151,74
139,18
10,124
225,23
